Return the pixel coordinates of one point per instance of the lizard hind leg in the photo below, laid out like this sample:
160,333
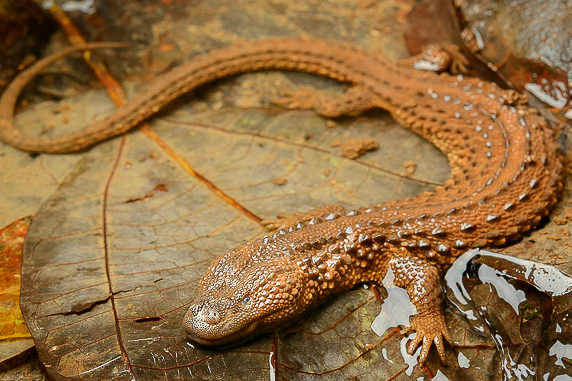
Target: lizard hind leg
422,283
353,102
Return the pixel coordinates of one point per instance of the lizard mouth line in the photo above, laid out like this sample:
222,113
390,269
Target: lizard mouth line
222,342
237,337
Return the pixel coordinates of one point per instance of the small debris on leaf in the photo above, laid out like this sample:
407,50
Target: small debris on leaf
410,167
354,148
279,181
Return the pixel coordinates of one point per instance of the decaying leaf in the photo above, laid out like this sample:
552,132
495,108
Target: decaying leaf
12,324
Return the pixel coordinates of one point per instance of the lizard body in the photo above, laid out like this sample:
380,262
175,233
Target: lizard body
506,175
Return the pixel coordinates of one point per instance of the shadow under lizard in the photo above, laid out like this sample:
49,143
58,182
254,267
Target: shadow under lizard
506,175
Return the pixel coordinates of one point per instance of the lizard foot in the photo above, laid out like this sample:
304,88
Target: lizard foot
440,58
430,328
422,282
304,98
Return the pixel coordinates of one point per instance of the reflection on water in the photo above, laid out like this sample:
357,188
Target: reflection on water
463,361
396,311
410,360
272,369
397,307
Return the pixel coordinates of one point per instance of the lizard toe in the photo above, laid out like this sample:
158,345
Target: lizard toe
304,98
430,330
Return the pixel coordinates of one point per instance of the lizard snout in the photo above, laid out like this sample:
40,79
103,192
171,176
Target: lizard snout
201,320
209,316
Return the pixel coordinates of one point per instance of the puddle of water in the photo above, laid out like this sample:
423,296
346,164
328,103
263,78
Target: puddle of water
503,274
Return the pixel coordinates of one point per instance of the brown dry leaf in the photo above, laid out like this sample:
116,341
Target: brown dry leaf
112,260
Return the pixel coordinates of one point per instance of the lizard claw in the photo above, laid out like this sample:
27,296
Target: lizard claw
430,329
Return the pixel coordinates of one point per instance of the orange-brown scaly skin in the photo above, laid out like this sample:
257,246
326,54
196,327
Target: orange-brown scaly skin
506,174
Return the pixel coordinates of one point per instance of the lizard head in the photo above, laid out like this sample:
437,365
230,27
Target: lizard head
244,292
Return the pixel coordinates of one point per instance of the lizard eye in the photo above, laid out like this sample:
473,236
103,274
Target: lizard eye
246,300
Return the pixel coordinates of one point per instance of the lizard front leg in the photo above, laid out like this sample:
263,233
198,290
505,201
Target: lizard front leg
439,58
422,283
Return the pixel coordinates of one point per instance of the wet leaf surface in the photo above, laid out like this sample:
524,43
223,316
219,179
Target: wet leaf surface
524,306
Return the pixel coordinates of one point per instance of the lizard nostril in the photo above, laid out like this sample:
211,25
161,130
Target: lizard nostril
208,316
212,316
